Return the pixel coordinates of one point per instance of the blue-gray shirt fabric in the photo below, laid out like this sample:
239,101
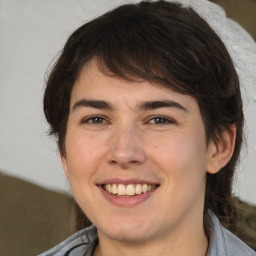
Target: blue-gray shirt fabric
222,243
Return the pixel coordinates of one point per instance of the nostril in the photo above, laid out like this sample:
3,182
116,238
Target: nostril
112,162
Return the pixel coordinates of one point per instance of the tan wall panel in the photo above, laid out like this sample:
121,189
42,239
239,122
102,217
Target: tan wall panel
242,11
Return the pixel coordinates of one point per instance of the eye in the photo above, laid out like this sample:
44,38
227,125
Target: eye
94,120
160,120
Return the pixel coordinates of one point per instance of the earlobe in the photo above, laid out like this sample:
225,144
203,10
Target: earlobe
64,165
221,152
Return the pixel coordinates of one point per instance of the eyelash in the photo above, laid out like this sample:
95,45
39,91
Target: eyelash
163,120
91,119
158,120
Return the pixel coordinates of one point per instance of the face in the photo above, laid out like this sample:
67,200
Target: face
136,157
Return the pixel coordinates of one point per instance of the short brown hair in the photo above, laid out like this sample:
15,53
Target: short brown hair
167,44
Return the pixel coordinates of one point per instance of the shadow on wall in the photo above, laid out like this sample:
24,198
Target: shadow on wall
242,11
34,219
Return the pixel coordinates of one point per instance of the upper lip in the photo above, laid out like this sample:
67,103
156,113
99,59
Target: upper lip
126,181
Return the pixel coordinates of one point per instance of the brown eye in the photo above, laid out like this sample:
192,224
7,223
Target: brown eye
160,120
95,120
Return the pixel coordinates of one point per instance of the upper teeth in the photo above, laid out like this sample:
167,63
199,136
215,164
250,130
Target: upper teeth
128,190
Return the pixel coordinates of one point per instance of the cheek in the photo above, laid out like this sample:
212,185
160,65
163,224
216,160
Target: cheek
181,158
80,161
180,148
79,155
81,149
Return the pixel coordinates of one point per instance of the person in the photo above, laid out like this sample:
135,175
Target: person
146,107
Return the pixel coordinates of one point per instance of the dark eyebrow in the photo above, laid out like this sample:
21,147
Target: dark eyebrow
150,105
98,104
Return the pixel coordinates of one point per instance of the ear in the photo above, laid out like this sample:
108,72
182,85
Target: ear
65,165
221,152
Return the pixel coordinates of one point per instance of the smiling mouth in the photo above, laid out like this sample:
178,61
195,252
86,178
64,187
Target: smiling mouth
128,190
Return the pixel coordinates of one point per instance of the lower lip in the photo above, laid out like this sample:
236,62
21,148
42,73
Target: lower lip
127,201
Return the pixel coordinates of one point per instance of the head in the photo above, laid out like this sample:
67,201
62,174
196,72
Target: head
168,45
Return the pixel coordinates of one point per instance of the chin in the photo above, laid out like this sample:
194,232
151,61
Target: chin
129,236
130,232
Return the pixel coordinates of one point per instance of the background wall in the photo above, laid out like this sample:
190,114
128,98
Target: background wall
31,33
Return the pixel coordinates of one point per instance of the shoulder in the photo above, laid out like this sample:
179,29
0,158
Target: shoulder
79,243
225,243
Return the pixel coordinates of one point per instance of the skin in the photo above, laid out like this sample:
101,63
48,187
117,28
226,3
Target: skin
122,139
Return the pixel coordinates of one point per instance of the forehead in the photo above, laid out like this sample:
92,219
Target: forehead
94,84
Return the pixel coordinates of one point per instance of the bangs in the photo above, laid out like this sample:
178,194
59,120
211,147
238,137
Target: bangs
135,45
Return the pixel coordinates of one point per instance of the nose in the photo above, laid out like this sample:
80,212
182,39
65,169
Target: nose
126,149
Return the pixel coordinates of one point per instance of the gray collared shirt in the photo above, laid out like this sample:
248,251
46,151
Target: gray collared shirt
222,243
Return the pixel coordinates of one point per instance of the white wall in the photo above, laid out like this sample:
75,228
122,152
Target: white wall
32,32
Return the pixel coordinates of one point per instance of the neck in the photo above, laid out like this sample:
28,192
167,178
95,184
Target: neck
188,241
